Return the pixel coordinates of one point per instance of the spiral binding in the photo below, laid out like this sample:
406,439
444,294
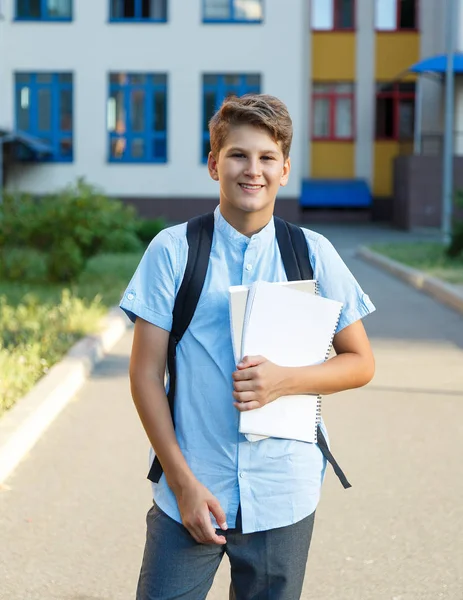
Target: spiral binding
318,417
317,289
330,345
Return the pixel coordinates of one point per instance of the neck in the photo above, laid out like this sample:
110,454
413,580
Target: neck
247,223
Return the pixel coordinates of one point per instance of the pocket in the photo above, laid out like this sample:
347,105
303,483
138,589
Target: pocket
279,449
153,515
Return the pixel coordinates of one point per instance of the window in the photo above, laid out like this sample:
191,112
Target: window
44,10
396,15
233,11
395,111
215,89
44,109
328,15
333,111
138,10
137,117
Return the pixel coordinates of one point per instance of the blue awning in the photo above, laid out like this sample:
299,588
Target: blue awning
335,193
28,142
438,64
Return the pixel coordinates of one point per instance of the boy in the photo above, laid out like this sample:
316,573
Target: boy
220,493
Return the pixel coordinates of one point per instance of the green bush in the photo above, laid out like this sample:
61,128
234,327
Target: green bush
456,243
147,229
65,261
70,225
121,241
23,264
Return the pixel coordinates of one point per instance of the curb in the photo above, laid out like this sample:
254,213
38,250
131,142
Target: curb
443,292
22,425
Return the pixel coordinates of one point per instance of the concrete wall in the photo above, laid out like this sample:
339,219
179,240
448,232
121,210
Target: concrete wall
418,190
185,48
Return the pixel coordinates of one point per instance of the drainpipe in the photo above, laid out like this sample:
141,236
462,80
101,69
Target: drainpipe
418,118
447,182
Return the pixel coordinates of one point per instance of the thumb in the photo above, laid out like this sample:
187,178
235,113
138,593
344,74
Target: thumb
216,510
250,361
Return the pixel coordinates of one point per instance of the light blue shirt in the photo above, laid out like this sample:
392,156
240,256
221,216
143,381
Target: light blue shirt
277,482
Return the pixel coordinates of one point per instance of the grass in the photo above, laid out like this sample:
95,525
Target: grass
39,323
105,276
429,257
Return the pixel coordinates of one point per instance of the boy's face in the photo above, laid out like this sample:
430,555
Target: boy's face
250,169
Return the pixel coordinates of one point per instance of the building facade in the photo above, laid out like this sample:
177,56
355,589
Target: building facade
120,92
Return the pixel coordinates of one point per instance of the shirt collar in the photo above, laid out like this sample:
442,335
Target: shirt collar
267,233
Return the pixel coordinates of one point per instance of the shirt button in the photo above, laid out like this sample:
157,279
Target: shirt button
242,475
248,267
130,296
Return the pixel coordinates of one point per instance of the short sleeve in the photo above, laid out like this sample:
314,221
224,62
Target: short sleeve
337,282
152,289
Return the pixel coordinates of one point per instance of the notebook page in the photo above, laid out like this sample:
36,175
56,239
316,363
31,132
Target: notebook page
238,295
289,328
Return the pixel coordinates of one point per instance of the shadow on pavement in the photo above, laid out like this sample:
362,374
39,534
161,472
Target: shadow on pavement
409,390
113,365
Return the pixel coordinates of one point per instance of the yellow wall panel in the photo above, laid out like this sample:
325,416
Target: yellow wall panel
385,152
333,56
395,53
333,160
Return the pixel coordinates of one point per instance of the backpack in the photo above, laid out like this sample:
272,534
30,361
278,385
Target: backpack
200,231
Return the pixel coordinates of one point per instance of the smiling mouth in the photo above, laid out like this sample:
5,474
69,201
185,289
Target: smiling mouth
248,186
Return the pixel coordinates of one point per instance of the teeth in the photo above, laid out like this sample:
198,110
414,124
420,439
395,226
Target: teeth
250,187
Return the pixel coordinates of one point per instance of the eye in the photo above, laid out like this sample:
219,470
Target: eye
267,158
238,155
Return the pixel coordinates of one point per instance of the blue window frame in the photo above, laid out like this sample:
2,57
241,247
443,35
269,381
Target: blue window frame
137,117
215,89
44,109
138,11
233,11
44,10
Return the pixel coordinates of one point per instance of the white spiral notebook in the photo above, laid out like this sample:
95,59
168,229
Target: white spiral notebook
290,327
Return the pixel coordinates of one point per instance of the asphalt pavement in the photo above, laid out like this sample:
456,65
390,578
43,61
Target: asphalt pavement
72,513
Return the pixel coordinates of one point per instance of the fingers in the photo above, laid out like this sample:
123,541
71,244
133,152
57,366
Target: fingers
243,406
244,375
250,361
217,511
244,386
244,396
202,531
200,526
208,534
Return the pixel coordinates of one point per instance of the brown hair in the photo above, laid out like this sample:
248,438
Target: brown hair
260,110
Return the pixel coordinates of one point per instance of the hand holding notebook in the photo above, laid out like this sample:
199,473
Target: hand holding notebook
290,328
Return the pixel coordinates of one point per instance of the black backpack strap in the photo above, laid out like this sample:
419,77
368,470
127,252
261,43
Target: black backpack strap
322,444
295,256
200,231
293,249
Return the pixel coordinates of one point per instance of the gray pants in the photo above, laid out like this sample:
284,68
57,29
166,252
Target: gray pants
266,565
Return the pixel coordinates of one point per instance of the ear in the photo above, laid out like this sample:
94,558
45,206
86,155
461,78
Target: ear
285,174
212,167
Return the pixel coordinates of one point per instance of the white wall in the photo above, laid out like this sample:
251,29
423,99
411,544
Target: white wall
459,6
432,42
184,48
365,91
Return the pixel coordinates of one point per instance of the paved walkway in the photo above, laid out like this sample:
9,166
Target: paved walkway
72,514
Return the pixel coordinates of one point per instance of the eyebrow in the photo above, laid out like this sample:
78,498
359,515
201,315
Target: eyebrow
235,149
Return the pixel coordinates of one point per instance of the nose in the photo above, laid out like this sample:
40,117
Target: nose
253,167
